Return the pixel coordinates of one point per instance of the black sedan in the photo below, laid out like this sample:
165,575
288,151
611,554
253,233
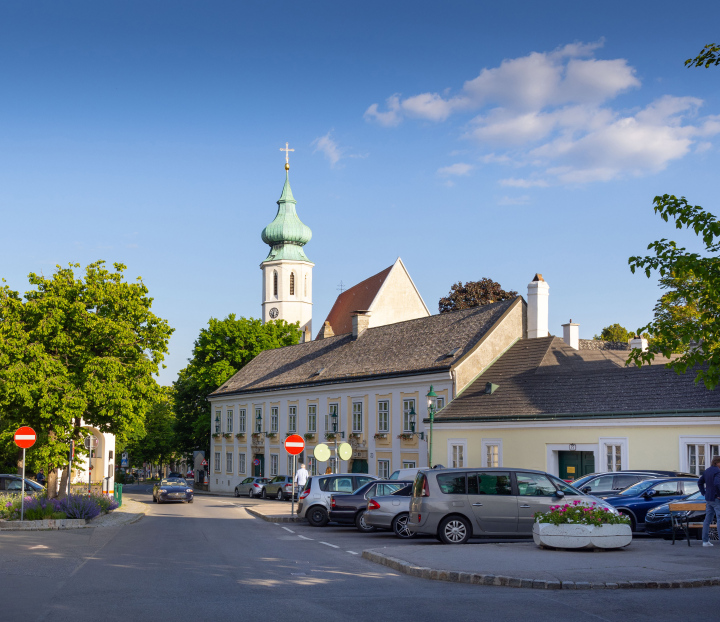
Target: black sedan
172,489
658,523
350,509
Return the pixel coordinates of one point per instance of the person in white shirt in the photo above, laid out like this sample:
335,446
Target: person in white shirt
301,478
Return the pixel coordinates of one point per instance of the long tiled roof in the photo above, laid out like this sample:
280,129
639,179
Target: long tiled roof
411,347
545,378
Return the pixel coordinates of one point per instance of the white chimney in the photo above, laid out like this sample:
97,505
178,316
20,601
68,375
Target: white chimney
537,311
638,343
571,334
360,322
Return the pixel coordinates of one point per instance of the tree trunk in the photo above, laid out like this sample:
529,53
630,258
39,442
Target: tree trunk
20,463
52,483
62,493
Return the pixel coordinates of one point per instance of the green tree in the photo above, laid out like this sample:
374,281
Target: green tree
474,294
614,332
77,349
687,317
223,348
159,444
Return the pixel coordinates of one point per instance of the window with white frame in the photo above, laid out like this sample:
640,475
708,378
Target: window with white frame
241,420
383,416
456,454
228,462
290,465
241,464
229,418
258,419
408,415
218,420
357,417
440,403
332,465
274,420
292,418
217,460
383,469
408,464
312,466
491,452
312,418
274,464
700,455
333,409
613,457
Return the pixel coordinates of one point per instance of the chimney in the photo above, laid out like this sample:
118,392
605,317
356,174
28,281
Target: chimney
326,331
571,334
537,311
638,343
360,322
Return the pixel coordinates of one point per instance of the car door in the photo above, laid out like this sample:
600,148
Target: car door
536,493
599,485
493,503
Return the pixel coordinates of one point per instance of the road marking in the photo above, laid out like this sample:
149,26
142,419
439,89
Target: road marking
328,544
290,530
304,538
352,552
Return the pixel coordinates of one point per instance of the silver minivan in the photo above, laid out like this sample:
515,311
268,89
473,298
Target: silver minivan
454,504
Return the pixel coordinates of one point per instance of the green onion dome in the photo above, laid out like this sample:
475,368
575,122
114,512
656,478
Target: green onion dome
286,234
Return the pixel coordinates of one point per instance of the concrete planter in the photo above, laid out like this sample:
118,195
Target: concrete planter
34,525
573,536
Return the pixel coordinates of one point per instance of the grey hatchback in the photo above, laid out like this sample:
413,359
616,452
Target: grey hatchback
454,504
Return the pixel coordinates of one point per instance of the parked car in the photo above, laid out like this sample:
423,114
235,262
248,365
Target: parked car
391,512
658,523
279,487
251,486
13,483
314,500
610,484
646,495
350,509
172,489
455,504
190,474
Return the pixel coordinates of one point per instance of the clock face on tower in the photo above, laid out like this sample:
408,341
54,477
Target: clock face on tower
274,313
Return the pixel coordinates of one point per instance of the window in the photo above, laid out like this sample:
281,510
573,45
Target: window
275,284
534,485
274,419
383,416
228,462
241,464
292,283
306,286
357,416
241,420
440,403
258,420
217,460
489,484
690,488
332,410
290,465
331,464
312,466
292,418
408,423
613,455
312,418
408,464
492,455
218,419
273,464
383,469
700,455
604,483
452,483
229,418
457,456
666,489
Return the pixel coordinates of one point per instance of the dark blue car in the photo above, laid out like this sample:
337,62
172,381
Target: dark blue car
637,500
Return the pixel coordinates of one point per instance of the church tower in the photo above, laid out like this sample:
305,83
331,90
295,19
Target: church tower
287,271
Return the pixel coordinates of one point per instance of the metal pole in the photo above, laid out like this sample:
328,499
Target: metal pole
89,467
22,491
292,498
70,461
432,418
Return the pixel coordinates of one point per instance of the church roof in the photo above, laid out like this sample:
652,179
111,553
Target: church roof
412,347
547,379
286,234
357,298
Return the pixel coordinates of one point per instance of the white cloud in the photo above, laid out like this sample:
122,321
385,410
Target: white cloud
329,148
455,170
553,112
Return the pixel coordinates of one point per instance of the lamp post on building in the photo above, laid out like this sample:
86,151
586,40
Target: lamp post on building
432,404
217,423
258,423
413,416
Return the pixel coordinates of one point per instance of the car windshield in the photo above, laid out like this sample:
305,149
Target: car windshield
695,495
638,488
172,482
566,488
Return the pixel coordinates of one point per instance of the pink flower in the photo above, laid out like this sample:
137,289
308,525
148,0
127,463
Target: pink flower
576,501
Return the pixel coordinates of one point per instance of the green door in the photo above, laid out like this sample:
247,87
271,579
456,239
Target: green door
575,464
259,469
359,466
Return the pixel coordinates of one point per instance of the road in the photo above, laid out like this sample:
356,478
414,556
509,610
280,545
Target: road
211,560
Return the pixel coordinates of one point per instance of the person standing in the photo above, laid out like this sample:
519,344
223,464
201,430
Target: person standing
709,484
40,477
301,477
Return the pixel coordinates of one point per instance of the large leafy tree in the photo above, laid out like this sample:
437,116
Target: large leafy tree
159,445
77,349
474,294
223,348
614,332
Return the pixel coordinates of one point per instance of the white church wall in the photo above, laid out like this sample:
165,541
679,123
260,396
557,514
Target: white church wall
295,307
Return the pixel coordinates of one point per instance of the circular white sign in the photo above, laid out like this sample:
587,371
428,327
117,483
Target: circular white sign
322,452
345,451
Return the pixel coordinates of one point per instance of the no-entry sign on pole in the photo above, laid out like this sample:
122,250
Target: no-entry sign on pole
25,437
294,444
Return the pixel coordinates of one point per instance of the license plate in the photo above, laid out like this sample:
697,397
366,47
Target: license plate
177,494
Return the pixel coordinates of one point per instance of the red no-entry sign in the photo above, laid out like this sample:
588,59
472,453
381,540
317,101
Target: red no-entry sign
294,444
25,437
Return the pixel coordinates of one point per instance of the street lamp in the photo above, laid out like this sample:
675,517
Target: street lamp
258,423
412,415
432,405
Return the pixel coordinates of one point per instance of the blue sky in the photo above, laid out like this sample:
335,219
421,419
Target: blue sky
471,139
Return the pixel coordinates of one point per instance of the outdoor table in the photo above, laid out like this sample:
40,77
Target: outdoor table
683,521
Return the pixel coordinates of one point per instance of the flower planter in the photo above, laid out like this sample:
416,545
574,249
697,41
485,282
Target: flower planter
577,536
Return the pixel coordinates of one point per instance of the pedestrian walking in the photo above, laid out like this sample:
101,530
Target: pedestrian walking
40,477
301,477
709,484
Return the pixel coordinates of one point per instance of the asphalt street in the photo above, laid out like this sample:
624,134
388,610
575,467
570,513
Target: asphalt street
211,560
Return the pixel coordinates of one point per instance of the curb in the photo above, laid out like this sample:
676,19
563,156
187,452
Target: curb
48,524
274,518
475,578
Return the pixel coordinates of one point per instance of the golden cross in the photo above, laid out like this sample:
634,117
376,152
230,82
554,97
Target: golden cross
287,151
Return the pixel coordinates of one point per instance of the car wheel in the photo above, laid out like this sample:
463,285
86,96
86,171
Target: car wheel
631,517
237,492
280,495
400,526
250,493
362,525
263,494
454,530
191,500
317,516
154,499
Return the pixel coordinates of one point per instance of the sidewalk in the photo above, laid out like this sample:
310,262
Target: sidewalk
129,512
643,564
273,515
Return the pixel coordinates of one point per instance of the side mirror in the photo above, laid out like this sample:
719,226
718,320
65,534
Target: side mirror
559,493
648,494
586,490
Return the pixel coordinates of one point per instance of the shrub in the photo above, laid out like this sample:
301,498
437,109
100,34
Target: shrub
59,515
579,514
80,506
107,504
